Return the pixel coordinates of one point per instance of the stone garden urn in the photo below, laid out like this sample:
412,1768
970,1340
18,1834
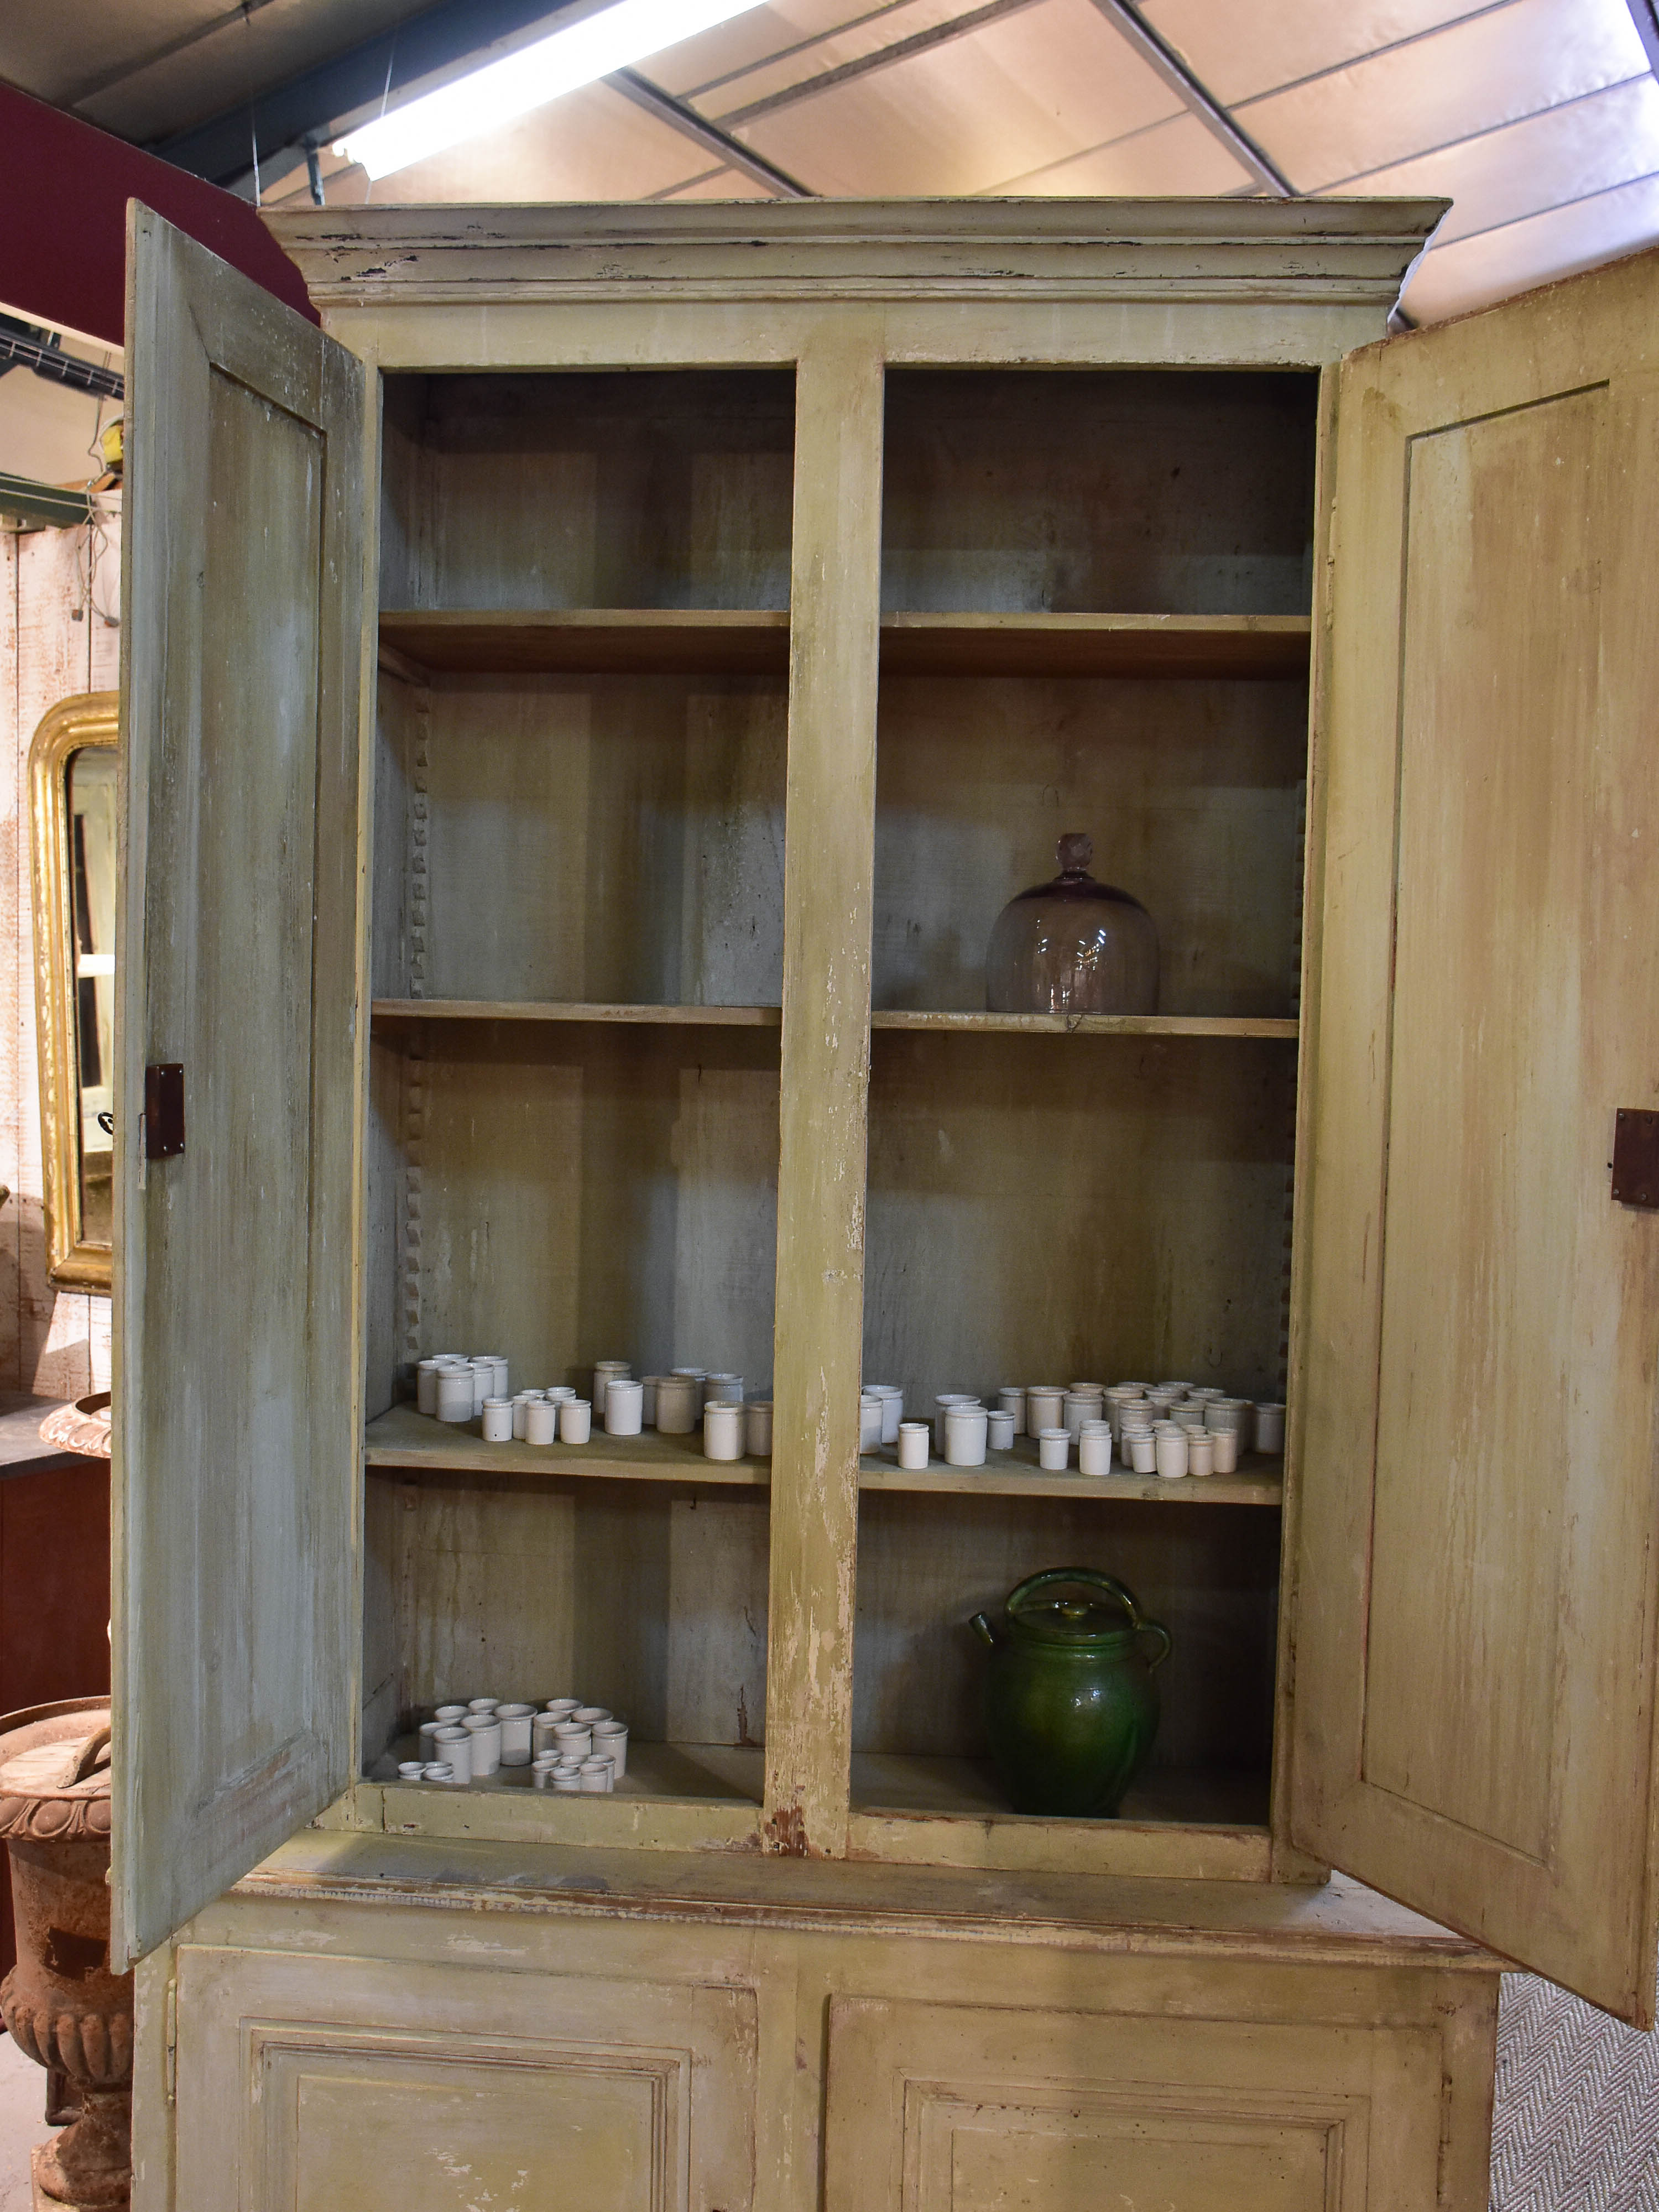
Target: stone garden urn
60,2002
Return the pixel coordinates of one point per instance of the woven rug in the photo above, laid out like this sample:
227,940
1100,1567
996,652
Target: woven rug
1575,2127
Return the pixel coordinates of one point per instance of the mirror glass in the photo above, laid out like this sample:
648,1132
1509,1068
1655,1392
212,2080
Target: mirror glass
91,812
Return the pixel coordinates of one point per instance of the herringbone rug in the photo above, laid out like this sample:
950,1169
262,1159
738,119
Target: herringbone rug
1577,2124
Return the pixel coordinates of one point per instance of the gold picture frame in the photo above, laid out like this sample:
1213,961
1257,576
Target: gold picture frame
90,720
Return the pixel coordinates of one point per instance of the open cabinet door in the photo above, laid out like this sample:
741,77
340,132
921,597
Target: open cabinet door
235,1435
1478,1315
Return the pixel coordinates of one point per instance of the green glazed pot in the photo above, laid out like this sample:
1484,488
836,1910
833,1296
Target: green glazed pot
1070,1707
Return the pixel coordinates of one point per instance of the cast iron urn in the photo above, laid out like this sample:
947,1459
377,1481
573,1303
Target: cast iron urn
60,2002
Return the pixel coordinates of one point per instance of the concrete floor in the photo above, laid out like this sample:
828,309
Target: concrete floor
22,2101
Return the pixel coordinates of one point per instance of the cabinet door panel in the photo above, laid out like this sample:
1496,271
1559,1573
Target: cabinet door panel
235,1430
1478,1321
943,2108
311,2084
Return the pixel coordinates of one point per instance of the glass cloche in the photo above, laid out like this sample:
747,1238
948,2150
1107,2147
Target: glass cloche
1072,946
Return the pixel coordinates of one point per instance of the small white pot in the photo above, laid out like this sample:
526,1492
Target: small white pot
722,1430
454,1398
604,1370
498,1420
999,1430
541,1421
1053,1449
454,1744
757,1428
678,1402
575,1421
1270,1428
516,1723
1010,1399
611,1742
624,1405
572,1742
965,1428
1171,1456
485,1731
915,1438
1045,1408
1094,1449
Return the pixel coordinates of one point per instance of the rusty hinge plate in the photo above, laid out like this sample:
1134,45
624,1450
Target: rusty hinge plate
164,1110
1636,1157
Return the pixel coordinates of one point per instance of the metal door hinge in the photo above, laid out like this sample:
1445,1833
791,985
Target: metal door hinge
164,1110
1636,1157
173,2042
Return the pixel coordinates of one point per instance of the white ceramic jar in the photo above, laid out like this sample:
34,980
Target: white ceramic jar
677,1399
1045,1408
624,1406
520,1411
942,1406
426,1387
498,1420
914,1439
1270,1428
1010,1399
1094,1448
562,1708
412,1769
516,1722
1200,1452
455,1394
541,1421
1171,1454
603,1371
1141,1448
572,1742
757,1428
454,1743
1224,1444
965,1431
1053,1449
597,1776
485,1731
648,1400
892,1407
611,1742
869,1421
999,1430
575,1421
725,1389
722,1430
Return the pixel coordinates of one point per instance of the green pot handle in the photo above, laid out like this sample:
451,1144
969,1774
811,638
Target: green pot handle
1092,1578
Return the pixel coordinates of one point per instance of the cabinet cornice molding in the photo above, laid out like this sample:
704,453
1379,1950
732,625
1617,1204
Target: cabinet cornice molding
1324,252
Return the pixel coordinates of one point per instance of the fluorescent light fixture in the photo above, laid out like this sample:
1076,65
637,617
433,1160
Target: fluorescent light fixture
579,54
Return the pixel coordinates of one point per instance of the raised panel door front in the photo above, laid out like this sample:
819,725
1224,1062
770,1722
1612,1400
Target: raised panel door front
1477,1317
944,2108
351,2085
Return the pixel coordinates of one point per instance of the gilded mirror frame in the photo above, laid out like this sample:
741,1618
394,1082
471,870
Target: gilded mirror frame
89,719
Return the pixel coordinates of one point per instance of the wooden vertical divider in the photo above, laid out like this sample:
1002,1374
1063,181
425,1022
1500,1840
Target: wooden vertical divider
830,860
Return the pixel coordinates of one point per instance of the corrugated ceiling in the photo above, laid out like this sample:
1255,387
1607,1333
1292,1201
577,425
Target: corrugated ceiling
1540,119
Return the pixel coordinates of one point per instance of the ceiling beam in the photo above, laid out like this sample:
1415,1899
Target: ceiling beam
1162,58
920,42
275,129
1645,16
730,152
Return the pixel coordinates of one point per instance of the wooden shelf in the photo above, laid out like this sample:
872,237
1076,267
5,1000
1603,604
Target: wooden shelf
975,1024
1259,1480
743,642
590,641
390,1012
1251,645
713,1773
417,1444
1190,1823
413,1444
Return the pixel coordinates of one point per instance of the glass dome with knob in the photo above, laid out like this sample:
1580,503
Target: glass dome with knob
1074,945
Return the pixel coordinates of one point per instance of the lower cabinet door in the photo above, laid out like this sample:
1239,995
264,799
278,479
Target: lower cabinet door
320,2084
942,2108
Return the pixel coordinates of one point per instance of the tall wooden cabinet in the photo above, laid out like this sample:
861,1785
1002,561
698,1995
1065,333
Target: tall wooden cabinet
584,713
